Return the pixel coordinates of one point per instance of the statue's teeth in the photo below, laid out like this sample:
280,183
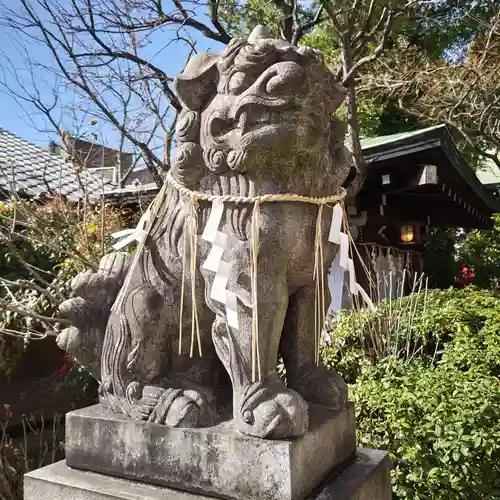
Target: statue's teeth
253,115
243,119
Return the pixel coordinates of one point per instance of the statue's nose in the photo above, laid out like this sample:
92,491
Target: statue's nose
279,85
280,80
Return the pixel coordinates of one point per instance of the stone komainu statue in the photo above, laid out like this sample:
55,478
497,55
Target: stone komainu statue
255,120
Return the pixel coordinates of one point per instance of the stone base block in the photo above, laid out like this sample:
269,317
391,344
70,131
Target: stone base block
367,478
214,461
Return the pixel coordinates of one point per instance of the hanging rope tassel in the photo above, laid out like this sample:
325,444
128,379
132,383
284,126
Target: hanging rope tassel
181,306
193,237
319,279
145,227
254,241
322,282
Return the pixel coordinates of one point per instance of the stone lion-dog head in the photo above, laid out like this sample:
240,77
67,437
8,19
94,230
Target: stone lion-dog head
263,107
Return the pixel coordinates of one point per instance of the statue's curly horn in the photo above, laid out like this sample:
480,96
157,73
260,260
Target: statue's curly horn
260,32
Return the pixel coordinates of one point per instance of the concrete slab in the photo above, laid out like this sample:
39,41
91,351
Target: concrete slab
367,478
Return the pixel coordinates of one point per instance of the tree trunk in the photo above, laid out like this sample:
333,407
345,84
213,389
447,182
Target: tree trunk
352,120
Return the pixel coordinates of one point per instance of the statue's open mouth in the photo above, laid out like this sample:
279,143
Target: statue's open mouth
251,116
254,116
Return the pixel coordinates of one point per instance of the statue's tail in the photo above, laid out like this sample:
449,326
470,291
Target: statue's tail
89,308
129,359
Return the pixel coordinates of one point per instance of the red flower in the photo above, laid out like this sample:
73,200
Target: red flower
66,367
466,277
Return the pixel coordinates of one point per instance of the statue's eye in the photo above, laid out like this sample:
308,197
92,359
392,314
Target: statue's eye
239,82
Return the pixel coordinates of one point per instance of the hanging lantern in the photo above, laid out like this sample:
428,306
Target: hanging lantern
407,234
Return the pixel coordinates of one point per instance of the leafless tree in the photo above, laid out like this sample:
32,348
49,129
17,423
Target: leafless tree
463,94
361,31
111,56
97,52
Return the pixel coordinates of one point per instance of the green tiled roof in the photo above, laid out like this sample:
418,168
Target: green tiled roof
373,142
488,174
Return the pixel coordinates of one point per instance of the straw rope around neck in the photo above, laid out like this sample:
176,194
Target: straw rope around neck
263,198
256,201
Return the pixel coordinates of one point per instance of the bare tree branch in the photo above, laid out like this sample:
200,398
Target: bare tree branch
301,29
30,314
375,54
465,96
358,26
214,17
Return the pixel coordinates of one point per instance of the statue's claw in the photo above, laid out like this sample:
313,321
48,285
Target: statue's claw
93,294
271,410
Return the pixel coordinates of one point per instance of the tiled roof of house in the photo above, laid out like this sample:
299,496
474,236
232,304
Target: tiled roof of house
438,139
142,176
33,171
488,174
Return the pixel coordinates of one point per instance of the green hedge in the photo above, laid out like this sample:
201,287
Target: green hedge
424,379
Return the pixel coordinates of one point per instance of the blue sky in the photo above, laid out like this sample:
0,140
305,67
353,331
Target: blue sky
23,119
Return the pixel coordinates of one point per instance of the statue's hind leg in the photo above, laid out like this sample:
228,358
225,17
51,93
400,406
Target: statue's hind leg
314,382
142,375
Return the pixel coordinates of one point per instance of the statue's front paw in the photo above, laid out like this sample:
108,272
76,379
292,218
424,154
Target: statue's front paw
79,312
271,410
99,289
320,386
177,407
93,294
96,288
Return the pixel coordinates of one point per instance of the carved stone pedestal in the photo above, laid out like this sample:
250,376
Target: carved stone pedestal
216,461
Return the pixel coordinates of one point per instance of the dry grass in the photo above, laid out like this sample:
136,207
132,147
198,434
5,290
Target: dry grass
24,449
388,331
